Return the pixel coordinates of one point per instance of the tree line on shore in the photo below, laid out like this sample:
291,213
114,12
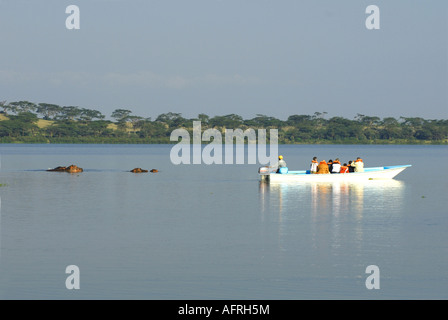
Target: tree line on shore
28,122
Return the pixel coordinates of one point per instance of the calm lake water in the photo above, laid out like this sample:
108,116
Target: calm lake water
216,232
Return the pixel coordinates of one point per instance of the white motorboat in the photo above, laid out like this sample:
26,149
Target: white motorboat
373,173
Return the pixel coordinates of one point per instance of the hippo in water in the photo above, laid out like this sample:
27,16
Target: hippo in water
71,168
138,170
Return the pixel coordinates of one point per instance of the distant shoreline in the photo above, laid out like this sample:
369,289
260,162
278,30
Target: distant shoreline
27,122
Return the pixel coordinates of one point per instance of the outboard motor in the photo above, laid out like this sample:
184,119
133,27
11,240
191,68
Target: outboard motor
264,173
263,170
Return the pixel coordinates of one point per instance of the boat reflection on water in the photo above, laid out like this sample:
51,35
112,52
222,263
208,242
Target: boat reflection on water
329,209
337,196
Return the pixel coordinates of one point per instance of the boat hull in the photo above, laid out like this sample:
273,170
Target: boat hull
377,173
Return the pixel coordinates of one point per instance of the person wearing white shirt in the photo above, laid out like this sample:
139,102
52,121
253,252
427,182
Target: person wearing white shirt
336,166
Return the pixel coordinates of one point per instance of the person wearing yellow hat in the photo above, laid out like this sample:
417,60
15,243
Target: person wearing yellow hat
280,164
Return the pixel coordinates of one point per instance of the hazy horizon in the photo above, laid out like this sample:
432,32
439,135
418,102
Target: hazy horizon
221,57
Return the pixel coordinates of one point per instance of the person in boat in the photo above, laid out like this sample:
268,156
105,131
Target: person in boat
330,165
280,164
314,164
322,168
336,167
350,167
344,168
358,165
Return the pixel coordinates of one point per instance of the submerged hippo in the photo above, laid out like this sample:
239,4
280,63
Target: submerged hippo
71,168
58,169
138,170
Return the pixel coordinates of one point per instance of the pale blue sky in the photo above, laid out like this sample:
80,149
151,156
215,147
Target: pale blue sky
216,57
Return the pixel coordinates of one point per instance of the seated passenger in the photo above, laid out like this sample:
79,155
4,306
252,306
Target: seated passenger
322,168
336,167
344,168
280,164
350,167
330,165
314,163
358,165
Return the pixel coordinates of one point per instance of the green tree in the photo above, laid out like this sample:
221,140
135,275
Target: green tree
65,128
69,113
8,108
296,120
2,104
263,121
136,122
23,106
232,121
89,115
153,130
97,128
367,120
390,121
121,114
172,119
20,125
203,118
48,111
